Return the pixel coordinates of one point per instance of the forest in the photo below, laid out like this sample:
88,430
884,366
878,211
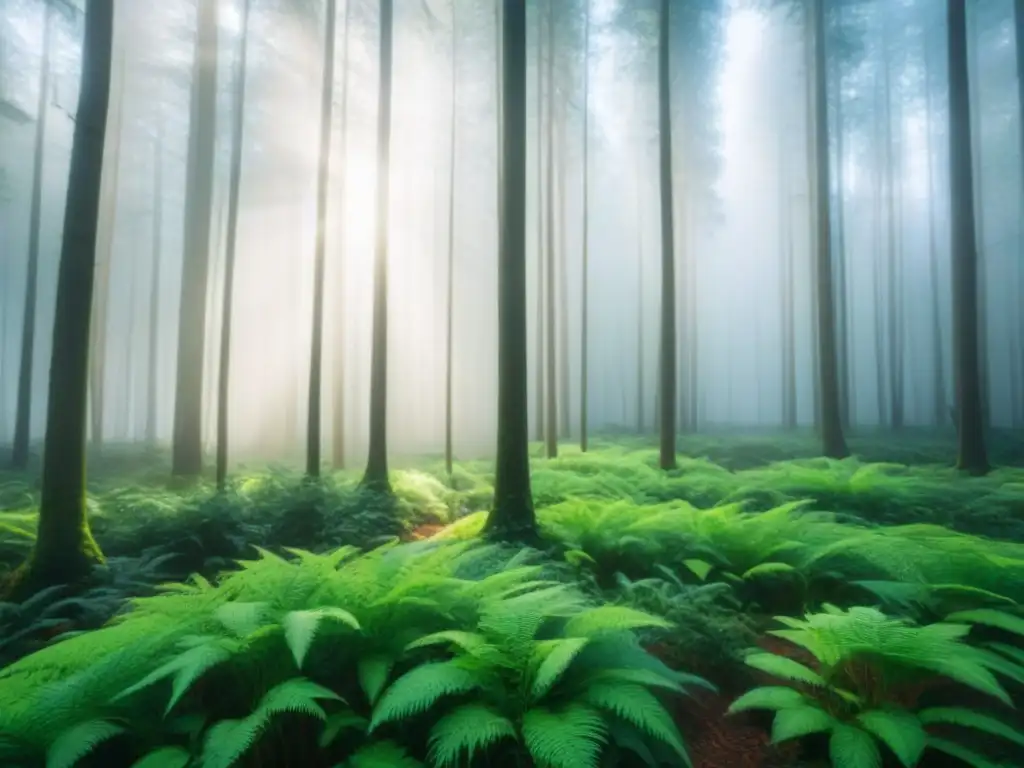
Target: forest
511,383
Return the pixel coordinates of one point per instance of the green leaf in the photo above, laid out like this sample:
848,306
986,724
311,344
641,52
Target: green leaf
300,628
768,697
990,617
699,568
557,658
164,757
611,618
799,721
419,689
638,707
968,718
373,672
242,618
465,731
787,669
850,747
79,740
767,569
338,723
899,730
570,737
467,641
579,558
382,754
962,753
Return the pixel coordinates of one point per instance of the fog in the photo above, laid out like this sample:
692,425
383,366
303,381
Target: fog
743,219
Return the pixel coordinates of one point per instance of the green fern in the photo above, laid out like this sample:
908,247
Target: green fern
79,740
164,757
465,732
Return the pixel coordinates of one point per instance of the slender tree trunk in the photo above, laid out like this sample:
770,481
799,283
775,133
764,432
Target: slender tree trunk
842,295
940,404
338,436
1018,32
539,377
876,274
640,379
64,549
832,440
227,302
551,363
972,454
585,276
187,452
23,415
667,353
785,219
128,398
564,383
512,517
449,441
314,427
109,199
376,475
893,282
153,351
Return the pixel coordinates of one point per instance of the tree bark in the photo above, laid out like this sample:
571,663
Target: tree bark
513,517
667,353
972,456
585,277
23,415
449,439
187,451
227,301
64,550
551,362
940,405
314,426
376,475
832,440
152,383
338,432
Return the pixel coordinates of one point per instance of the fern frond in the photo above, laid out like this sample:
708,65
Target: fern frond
990,617
553,658
611,618
570,737
467,730
79,740
801,720
786,669
640,708
300,628
467,641
242,618
768,697
164,757
850,747
373,672
961,753
382,754
419,689
186,668
338,723
968,718
899,730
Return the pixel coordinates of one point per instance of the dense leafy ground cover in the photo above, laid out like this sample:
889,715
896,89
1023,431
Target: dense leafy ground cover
758,606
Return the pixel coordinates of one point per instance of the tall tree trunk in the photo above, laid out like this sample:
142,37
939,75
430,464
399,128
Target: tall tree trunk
230,247
972,454
376,475
512,517
667,352
1018,33
940,404
187,451
541,332
893,282
23,415
153,352
127,400
109,198
551,362
338,432
314,426
640,379
585,276
842,294
876,273
449,440
832,441
786,296
564,384
64,549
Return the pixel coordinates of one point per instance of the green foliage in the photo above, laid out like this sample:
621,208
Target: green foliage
861,681
480,644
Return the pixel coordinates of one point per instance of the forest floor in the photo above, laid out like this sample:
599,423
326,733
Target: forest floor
747,528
